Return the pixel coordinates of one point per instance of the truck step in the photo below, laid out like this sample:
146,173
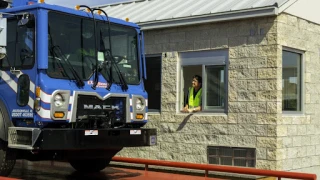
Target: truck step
22,138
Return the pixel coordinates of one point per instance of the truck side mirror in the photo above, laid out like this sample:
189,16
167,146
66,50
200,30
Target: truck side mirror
3,4
27,20
23,90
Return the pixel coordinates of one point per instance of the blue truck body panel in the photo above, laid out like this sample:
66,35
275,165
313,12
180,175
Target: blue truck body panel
39,78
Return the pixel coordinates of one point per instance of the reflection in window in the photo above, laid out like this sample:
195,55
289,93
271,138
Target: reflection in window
20,46
72,38
215,94
291,81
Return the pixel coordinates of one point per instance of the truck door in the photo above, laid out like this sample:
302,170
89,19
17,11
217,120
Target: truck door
18,70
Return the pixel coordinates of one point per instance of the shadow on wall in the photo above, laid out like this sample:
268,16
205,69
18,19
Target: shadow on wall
184,122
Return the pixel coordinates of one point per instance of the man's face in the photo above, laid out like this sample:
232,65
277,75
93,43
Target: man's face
195,83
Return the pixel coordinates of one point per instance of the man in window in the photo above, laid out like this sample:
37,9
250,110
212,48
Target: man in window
193,101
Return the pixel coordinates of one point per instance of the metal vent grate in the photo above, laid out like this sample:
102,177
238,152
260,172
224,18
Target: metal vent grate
19,137
232,156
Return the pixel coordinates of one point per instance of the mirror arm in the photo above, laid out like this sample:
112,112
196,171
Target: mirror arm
27,20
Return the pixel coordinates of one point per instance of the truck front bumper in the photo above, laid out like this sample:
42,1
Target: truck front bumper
79,139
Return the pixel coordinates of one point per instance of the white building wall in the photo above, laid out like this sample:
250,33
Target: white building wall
305,9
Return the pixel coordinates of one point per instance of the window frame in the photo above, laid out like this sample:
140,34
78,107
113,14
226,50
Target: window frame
151,56
222,59
302,81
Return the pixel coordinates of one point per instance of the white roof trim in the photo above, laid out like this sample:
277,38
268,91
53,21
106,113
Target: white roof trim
154,14
225,16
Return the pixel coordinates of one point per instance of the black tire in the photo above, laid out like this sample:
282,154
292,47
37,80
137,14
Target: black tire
7,155
7,159
89,165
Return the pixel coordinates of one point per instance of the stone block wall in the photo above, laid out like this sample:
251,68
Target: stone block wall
254,92
254,117
299,135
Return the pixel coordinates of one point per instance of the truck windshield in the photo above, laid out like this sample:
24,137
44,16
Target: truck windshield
73,36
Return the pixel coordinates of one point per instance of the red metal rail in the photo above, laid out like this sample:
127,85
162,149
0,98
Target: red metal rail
209,167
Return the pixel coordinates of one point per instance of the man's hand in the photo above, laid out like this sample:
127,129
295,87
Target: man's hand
185,110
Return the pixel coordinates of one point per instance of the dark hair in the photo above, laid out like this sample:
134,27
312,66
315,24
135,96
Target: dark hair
198,78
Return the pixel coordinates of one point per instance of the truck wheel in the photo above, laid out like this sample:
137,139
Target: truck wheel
89,165
7,159
7,155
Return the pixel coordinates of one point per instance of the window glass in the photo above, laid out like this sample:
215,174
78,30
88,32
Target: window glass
20,46
215,94
72,38
291,81
231,156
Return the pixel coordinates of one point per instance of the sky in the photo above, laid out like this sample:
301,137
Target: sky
73,3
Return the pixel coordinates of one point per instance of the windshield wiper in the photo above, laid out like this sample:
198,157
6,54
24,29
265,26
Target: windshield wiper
106,64
79,81
96,71
123,83
76,76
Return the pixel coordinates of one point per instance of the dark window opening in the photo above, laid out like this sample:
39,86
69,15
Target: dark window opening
153,82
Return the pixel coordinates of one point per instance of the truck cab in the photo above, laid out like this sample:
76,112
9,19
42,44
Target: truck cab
71,85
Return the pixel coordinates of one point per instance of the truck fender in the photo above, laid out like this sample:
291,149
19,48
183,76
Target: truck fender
5,121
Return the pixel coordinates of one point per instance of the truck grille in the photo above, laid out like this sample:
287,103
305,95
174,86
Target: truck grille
93,106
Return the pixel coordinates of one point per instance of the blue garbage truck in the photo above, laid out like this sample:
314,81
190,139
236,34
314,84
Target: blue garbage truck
71,85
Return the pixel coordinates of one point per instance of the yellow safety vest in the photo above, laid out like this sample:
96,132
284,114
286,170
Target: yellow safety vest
194,102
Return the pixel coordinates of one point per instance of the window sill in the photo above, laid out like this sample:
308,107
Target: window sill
202,114
293,114
154,113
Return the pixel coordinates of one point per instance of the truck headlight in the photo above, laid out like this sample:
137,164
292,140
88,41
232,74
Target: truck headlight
58,100
139,104
60,104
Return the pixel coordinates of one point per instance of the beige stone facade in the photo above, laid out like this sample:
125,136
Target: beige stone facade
254,115
298,139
